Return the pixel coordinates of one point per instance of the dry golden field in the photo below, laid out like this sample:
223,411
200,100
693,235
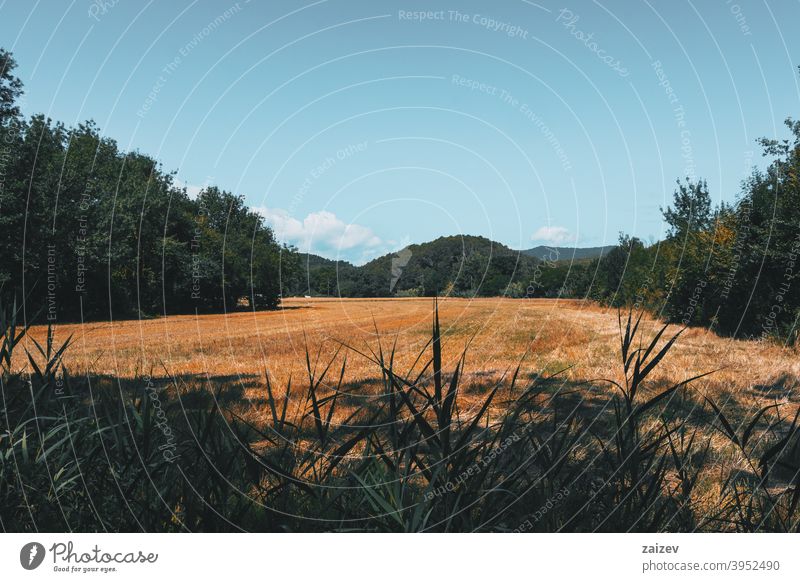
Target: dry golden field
545,335
579,341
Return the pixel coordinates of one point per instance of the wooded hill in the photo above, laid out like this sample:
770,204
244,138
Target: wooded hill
452,265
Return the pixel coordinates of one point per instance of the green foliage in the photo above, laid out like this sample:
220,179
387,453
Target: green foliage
89,231
731,268
691,211
10,87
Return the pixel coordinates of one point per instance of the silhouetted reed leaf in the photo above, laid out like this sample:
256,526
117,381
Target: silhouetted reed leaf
727,428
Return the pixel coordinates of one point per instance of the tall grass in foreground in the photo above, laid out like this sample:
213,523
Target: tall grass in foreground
535,454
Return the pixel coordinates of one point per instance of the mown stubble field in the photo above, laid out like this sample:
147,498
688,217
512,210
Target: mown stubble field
576,341
544,335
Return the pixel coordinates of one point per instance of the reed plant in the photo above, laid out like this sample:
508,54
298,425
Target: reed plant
536,453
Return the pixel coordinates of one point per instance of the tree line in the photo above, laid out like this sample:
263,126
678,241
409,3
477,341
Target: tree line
88,231
730,267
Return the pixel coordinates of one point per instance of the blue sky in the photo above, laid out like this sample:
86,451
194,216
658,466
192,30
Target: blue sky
359,127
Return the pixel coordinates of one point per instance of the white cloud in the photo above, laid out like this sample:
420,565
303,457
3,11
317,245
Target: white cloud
319,232
553,235
193,190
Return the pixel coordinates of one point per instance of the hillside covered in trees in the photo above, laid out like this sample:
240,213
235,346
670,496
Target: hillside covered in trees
566,253
465,266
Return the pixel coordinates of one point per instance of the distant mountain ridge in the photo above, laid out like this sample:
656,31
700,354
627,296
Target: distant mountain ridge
567,253
453,265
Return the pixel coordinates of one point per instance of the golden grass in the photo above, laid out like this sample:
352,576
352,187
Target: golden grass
232,352
555,334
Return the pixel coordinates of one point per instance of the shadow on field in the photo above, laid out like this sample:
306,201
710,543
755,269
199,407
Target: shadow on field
433,450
